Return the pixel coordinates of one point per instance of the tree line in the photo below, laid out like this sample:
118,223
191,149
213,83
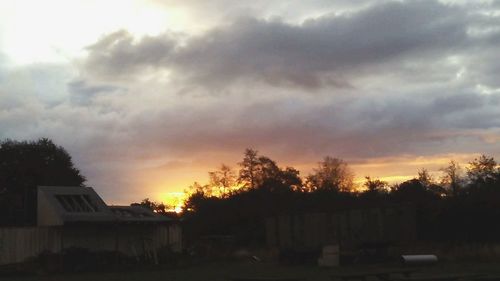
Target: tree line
459,205
334,174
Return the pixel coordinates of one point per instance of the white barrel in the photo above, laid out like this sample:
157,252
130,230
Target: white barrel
419,259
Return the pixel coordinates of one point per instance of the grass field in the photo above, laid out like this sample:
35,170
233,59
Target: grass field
225,270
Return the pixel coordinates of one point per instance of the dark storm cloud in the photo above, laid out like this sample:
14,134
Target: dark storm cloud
330,48
120,54
303,55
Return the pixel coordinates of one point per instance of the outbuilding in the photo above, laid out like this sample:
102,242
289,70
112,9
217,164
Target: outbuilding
77,217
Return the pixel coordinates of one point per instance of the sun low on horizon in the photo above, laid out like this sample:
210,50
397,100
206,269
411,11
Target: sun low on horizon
148,96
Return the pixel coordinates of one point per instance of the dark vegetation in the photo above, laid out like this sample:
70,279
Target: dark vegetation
25,165
461,206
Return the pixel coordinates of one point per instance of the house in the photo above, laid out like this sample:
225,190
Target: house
77,217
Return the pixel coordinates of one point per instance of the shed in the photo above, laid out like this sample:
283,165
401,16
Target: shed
77,217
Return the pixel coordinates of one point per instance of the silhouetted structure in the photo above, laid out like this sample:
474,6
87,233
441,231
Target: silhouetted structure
77,218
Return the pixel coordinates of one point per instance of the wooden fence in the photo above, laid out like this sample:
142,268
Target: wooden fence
20,243
349,228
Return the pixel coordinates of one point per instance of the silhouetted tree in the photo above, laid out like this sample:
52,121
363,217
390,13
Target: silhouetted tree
482,171
197,188
452,177
424,177
428,182
223,179
24,165
275,179
193,202
146,203
258,171
413,191
248,171
331,174
33,163
157,207
267,169
374,185
161,208
291,178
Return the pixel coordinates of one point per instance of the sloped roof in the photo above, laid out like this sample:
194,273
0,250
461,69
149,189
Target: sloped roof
62,205
59,205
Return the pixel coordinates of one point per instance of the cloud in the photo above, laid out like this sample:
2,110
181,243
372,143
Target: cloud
326,50
119,53
82,93
44,82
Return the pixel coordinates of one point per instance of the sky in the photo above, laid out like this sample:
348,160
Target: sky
148,96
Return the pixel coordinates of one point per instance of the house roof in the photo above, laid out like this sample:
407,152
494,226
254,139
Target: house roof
62,205
59,205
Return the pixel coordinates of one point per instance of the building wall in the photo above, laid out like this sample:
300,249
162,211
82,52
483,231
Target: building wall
93,237
46,213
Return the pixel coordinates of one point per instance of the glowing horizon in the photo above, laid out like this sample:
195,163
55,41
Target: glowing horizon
383,169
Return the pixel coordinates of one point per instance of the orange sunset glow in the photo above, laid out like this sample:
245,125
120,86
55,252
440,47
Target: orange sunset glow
390,169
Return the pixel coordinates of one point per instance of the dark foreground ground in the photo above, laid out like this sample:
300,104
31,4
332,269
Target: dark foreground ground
224,271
